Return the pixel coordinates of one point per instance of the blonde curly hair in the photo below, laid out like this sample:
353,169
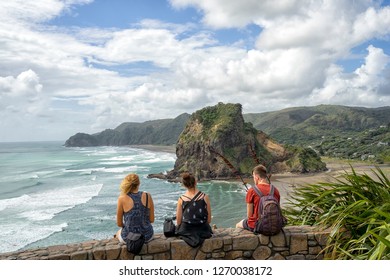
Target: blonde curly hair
129,183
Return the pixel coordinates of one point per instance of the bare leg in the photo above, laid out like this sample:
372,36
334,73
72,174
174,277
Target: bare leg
240,224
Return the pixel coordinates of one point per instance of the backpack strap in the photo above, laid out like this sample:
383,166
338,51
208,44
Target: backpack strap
272,191
260,194
258,191
192,200
147,198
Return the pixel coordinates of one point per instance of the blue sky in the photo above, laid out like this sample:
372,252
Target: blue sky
73,66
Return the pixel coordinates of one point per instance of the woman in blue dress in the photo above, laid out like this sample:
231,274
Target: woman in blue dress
135,210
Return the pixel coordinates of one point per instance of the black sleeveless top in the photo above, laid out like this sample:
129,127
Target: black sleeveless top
196,213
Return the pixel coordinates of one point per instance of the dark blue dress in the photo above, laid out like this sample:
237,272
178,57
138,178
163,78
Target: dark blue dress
137,219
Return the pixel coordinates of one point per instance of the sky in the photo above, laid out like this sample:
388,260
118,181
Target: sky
69,66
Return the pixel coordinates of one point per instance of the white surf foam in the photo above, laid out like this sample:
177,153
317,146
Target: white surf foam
44,206
16,236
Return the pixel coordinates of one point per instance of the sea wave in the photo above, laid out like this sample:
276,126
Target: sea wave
16,236
85,171
45,205
9,202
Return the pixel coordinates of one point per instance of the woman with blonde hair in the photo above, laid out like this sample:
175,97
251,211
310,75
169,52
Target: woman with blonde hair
193,213
135,210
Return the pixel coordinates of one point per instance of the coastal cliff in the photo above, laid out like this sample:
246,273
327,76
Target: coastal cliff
157,132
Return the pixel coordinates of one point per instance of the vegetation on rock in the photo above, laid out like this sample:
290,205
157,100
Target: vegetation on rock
218,133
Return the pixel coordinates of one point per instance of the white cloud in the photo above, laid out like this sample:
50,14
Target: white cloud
360,88
55,77
21,95
35,11
231,13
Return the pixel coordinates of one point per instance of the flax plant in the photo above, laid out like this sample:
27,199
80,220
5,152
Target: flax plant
356,209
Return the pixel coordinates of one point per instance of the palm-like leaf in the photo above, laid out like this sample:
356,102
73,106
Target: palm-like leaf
357,210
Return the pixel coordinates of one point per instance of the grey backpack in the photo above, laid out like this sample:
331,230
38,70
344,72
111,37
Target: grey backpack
271,220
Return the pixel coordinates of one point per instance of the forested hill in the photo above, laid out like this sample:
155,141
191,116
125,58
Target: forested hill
302,124
337,131
156,132
340,131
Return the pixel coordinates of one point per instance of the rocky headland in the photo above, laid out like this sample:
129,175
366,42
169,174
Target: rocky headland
217,143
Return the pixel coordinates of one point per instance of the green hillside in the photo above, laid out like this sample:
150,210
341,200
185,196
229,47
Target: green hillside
157,132
336,131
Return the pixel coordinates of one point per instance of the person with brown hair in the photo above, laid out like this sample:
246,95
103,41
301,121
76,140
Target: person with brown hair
135,210
262,182
193,213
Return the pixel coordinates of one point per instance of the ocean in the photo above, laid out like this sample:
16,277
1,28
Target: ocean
52,195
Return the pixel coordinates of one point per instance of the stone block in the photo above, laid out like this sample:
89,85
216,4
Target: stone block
181,251
125,255
315,250
246,242
209,245
201,255
79,255
311,257
233,255
263,239
218,255
42,253
99,253
262,253
279,240
296,257
57,248
162,256
112,252
277,257
158,246
227,248
59,257
227,240
298,243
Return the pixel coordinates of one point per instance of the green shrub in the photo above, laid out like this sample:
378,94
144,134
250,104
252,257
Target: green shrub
357,210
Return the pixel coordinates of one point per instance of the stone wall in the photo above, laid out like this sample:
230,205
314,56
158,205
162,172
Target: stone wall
295,243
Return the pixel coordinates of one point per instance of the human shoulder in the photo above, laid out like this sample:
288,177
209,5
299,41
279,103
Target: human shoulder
122,196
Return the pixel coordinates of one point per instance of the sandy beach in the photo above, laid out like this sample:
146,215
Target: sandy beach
336,169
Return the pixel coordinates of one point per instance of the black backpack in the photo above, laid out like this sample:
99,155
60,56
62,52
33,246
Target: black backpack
271,220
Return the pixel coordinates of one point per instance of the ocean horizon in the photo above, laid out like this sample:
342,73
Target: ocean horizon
52,195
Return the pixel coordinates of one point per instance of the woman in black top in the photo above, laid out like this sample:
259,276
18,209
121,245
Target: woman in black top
193,225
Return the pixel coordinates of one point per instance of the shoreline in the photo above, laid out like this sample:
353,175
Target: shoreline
156,148
285,182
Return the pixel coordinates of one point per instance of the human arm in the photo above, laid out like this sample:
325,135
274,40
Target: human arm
207,200
119,213
179,212
249,209
249,203
151,208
